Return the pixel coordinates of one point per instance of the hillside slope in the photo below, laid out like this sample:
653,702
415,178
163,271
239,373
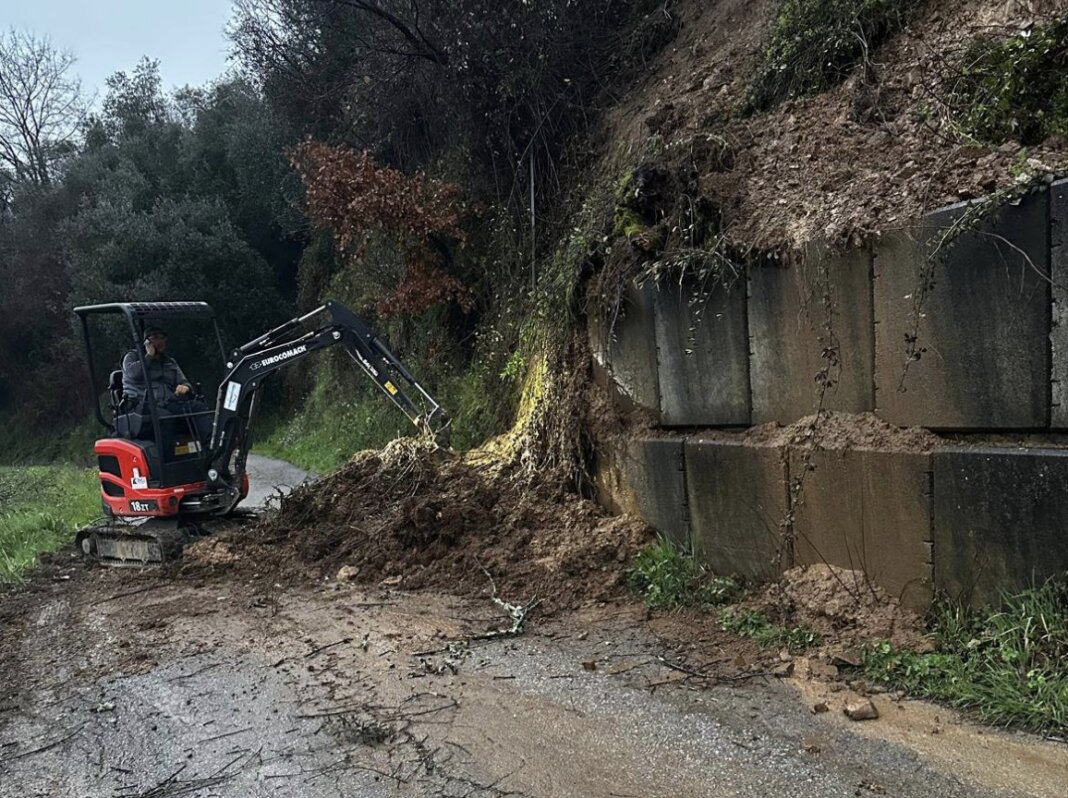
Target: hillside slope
859,159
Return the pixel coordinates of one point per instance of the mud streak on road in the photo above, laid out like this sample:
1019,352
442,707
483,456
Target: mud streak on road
117,683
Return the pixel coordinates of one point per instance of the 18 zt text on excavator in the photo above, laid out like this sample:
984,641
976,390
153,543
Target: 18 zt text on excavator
159,478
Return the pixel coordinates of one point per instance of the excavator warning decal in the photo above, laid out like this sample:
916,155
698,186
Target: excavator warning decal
391,388
233,393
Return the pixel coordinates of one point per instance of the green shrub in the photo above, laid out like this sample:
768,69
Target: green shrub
813,45
1015,88
1010,667
342,416
666,578
756,626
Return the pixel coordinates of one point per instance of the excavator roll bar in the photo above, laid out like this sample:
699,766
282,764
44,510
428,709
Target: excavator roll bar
249,364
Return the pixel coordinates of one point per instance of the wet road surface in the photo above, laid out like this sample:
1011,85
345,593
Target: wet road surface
121,683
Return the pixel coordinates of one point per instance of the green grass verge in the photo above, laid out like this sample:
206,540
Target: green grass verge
1009,667
667,578
23,444
40,507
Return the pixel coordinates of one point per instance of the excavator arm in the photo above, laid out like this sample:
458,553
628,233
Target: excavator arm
250,364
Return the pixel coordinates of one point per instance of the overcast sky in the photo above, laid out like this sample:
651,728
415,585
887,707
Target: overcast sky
107,36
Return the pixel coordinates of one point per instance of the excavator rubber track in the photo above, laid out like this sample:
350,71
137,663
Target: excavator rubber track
152,542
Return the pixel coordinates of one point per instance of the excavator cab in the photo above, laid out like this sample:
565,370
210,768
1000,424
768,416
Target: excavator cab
152,465
158,477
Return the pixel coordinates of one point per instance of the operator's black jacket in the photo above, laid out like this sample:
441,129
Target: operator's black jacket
164,375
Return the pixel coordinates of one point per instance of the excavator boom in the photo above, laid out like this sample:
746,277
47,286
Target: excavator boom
289,343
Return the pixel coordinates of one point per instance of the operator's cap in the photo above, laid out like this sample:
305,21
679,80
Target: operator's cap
154,331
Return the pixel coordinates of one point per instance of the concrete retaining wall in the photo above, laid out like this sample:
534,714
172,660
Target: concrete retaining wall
737,499
702,344
803,318
653,469
968,523
625,348
982,328
960,343
868,510
989,324
999,520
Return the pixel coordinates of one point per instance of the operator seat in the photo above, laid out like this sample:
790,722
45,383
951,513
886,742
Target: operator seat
128,422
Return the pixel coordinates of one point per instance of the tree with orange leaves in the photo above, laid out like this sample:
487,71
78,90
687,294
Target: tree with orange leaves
352,196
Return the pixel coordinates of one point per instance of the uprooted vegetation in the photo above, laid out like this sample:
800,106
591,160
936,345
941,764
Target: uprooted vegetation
1015,87
813,45
417,517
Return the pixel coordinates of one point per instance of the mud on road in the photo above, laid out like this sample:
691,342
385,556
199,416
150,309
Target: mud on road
120,684
198,683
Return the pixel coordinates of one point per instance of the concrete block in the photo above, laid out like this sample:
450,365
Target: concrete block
703,352
983,322
868,510
998,520
799,315
1058,228
644,477
653,472
737,497
624,349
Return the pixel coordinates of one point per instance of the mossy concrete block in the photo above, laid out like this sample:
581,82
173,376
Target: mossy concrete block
867,510
807,318
654,485
1058,228
703,352
980,320
999,520
737,498
624,351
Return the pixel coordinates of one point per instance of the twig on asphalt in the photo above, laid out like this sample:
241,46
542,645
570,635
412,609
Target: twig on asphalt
316,651
191,674
128,593
49,746
221,736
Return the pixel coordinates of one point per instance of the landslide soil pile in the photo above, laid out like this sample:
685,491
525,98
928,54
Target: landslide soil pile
418,517
858,160
843,606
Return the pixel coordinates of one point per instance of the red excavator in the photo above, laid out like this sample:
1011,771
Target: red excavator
158,479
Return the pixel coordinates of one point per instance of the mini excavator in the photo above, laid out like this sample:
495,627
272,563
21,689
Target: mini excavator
158,480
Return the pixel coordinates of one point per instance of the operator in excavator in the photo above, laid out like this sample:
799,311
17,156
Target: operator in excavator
171,391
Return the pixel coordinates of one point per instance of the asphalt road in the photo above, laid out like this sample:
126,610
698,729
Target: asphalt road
122,683
268,477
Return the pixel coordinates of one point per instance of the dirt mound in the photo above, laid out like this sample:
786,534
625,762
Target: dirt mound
419,517
844,606
834,430
861,159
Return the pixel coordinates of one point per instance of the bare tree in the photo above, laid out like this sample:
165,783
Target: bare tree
41,106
